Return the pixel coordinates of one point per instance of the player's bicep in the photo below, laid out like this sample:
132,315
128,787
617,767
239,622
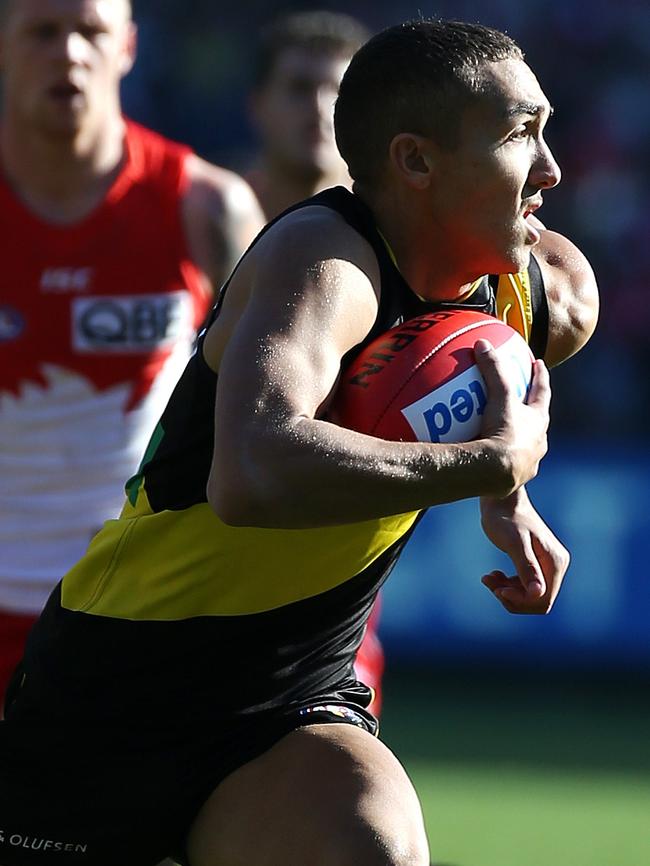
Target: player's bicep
284,355
305,311
572,296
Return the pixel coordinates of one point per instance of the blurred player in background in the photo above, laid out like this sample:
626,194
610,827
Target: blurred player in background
301,60
113,239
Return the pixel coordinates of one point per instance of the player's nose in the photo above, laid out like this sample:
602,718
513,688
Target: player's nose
74,48
545,172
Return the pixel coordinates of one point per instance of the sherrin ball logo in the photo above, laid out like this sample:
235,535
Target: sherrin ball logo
420,381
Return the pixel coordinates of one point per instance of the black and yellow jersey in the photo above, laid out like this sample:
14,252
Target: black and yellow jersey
297,600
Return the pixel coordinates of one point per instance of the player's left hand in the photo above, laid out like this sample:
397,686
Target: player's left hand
541,561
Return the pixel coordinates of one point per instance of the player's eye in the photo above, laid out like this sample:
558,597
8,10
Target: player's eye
90,32
520,133
45,31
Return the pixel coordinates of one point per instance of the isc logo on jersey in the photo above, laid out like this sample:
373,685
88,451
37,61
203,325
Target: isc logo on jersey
452,412
130,323
60,280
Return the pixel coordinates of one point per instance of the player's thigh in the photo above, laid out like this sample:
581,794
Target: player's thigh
327,795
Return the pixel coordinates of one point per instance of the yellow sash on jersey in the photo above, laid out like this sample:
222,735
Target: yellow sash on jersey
173,565
514,302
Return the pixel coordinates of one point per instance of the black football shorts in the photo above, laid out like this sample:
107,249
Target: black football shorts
103,762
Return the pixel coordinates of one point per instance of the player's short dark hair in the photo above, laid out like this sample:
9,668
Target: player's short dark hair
414,77
319,31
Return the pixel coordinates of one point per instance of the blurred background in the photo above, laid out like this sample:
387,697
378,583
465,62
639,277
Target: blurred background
527,738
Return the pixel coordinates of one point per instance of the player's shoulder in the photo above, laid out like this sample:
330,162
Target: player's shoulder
218,191
555,251
568,277
572,295
316,234
152,153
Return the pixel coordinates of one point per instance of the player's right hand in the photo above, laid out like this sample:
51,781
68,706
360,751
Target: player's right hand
516,429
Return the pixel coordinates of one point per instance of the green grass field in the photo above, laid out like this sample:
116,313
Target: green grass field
525,770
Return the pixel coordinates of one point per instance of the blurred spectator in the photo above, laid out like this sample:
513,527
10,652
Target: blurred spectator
301,60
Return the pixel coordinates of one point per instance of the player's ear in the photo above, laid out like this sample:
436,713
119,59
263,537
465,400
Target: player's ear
412,159
130,48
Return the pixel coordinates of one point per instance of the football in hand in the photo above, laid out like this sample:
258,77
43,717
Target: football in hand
420,381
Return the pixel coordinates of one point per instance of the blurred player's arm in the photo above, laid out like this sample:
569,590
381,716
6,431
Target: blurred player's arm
221,216
313,296
571,292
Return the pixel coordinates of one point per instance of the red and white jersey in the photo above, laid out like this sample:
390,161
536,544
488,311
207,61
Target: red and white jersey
97,321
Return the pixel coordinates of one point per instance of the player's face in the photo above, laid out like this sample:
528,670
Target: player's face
487,186
294,111
63,61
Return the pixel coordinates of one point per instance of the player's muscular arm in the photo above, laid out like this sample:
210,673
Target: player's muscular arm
221,217
572,295
276,463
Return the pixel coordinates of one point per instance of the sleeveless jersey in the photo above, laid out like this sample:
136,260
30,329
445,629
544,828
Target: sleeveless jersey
97,321
293,603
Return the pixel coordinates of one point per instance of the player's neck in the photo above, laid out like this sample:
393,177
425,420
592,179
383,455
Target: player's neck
422,254
278,189
62,179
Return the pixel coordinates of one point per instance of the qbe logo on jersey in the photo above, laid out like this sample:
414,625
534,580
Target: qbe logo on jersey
130,323
452,412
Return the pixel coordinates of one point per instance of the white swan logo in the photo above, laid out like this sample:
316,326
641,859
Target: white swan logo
66,451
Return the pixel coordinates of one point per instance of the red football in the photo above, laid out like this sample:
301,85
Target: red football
420,382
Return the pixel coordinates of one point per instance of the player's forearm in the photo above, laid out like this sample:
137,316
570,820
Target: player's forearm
276,466
319,474
509,504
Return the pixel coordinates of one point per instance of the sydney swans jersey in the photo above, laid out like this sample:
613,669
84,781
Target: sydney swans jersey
287,607
97,321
